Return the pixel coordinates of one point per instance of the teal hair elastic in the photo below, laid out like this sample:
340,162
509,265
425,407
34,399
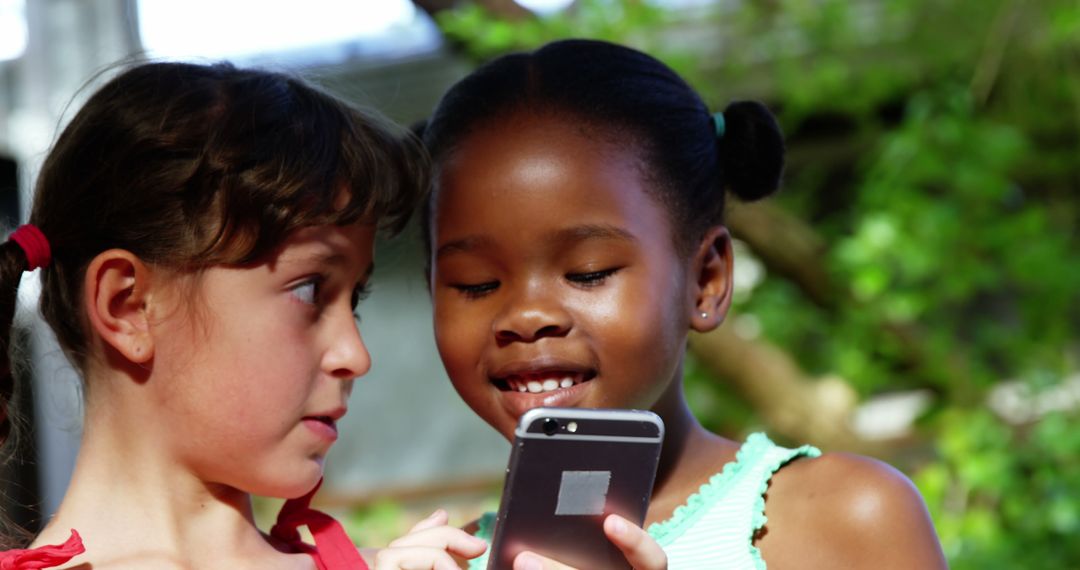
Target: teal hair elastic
718,121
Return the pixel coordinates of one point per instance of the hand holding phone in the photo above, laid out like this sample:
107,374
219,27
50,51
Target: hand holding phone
569,469
639,549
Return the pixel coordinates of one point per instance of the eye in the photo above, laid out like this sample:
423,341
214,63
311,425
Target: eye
307,291
475,291
591,278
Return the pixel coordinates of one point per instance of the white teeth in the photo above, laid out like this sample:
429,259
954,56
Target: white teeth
540,385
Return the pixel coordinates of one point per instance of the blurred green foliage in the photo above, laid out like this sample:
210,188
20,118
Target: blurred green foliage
483,35
1005,498
936,149
378,524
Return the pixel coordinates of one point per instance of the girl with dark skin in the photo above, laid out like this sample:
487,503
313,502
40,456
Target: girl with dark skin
576,237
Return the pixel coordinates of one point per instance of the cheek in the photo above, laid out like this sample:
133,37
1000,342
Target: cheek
458,321
632,332
455,337
639,328
635,311
461,338
257,370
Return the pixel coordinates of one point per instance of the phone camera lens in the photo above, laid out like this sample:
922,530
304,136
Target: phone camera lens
551,426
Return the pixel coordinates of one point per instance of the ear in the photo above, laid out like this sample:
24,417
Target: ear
712,263
116,292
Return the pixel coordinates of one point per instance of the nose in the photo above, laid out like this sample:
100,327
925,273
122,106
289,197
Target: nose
346,357
531,316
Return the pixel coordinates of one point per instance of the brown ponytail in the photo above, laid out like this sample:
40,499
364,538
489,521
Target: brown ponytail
12,265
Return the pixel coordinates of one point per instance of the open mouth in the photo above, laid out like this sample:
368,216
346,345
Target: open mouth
540,382
323,426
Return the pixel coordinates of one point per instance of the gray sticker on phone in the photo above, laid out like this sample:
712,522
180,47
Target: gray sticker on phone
583,492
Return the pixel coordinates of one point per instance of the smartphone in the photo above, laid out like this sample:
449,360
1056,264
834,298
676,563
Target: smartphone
569,469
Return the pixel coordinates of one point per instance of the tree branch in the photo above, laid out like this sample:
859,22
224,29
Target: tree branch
793,404
786,245
506,9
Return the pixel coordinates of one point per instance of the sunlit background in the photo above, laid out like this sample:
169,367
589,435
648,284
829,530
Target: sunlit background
912,294
314,31
12,29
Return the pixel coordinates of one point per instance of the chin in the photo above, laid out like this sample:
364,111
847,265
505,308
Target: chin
289,483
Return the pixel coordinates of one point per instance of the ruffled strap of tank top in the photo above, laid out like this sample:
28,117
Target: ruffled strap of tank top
334,550
48,556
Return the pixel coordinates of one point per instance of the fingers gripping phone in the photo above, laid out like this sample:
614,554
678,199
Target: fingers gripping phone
569,469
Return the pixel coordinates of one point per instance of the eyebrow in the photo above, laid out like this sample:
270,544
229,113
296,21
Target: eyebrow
565,237
332,259
463,245
320,257
338,259
592,232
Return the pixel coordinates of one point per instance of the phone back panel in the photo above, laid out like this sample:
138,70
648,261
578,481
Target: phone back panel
561,486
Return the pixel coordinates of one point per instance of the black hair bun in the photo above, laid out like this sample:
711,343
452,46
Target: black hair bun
751,150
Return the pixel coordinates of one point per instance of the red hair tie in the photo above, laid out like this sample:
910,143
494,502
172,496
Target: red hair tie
33,244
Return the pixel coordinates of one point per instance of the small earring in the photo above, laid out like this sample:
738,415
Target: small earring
704,315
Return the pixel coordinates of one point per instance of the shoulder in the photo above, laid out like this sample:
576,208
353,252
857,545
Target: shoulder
847,489
847,511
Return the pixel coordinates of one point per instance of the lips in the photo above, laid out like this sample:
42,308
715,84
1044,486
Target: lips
324,424
329,415
541,382
524,385
540,374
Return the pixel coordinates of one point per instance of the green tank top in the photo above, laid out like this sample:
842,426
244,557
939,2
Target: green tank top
715,527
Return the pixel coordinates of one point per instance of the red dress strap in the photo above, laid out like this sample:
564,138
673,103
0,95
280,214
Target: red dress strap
48,556
333,550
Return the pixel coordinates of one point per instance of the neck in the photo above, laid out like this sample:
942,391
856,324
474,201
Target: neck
132,500
691,453
681,432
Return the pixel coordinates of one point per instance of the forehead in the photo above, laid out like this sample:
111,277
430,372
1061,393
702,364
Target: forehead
348,245
531,170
